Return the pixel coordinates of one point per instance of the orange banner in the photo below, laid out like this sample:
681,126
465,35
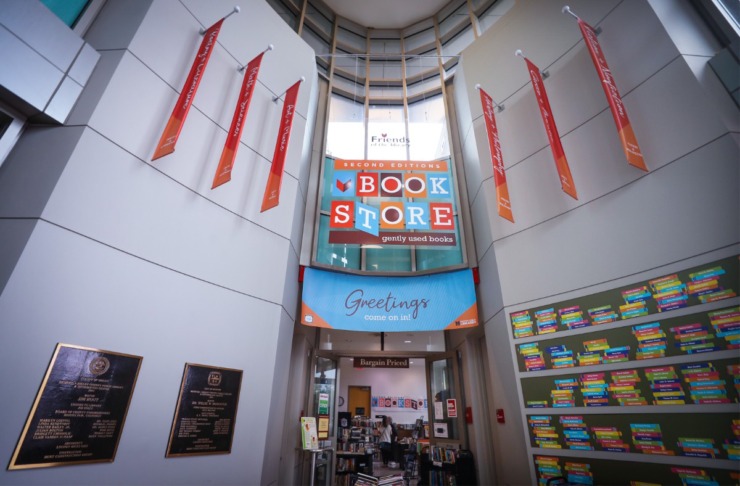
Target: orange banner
494,145
228,155
566,179
174,126
275,179
626,135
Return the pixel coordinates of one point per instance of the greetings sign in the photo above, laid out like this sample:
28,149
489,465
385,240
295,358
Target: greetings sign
389,304
499,174
561,163
413,207
626,135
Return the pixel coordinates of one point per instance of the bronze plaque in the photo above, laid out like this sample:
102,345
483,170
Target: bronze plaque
79,411
206,411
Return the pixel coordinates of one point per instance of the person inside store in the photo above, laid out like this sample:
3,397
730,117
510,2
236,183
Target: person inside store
387,433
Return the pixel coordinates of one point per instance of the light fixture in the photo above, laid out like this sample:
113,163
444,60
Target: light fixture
327,345
407,342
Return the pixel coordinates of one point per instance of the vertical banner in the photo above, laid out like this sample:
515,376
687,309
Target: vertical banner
626,134
272,191
174,126
566,179
228,155
499,175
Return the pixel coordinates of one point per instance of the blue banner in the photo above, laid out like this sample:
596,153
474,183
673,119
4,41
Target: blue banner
389,304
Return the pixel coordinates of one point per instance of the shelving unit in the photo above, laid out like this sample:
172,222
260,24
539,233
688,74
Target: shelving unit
355,449
671,357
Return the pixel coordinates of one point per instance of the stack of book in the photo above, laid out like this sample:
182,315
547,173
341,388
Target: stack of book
696,447
635,302
537,404
594,390
543,432
705,384
547,467
592,355
547,321
648,439
533,359
705,285
576,433
651,341
619,354
623,388
522,323
666,386
732,446
560,357
690,476
726,323
610,439
562,396
669,293
572,317
602,315
389,480
694,338
578,473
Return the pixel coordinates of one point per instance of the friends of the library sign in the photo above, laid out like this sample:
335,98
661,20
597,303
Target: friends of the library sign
415,203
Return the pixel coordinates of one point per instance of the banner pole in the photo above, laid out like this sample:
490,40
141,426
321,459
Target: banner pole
276,98
499,107
269,48
236,10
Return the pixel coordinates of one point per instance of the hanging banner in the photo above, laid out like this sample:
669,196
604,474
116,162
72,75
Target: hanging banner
499,175
389,304
566,179
228,155
174,126
619,112
274,180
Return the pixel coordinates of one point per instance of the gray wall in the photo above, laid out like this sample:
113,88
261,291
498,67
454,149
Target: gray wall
626,224
110,250
45,65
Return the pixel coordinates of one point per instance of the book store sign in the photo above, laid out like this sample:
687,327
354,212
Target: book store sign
389,304
381,362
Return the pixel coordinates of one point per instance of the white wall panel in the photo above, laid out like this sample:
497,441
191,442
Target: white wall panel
97,296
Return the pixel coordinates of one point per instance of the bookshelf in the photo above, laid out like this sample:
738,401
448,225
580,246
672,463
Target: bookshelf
646,373
355,449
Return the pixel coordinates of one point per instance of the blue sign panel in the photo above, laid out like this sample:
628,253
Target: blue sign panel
389,304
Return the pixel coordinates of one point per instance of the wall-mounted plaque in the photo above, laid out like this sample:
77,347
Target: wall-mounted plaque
206,411
79,411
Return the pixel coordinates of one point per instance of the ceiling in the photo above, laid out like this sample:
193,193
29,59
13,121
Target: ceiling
386,14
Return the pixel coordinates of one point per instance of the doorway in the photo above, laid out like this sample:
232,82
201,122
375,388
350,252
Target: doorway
359,399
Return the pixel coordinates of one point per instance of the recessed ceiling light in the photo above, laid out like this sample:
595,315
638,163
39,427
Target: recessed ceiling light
407,342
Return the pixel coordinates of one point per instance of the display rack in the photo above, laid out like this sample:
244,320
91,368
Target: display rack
611,377
355,449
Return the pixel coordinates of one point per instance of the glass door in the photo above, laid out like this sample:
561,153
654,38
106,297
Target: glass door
324,383
445,402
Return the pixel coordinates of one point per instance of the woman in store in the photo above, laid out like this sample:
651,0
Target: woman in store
386,439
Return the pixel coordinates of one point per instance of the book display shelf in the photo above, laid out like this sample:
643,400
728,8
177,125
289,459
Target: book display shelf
636,385
355,448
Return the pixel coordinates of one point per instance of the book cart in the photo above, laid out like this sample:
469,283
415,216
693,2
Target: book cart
635,385
355,449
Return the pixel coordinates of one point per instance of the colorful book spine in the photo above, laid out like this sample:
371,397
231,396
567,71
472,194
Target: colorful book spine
694,338
691,477
547,467
533,357
651,341
697,447
546,320
732,445
726,324
624,388
648,439
522,323
609,439
544,434
594,390
575,433
578,473
705,384
602,315
666,386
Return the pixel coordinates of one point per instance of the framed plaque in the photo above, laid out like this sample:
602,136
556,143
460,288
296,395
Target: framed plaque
206,411
80,409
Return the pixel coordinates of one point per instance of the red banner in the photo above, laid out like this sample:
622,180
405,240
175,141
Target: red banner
494,145
174,126
626,135
566,179
274,180
228,155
